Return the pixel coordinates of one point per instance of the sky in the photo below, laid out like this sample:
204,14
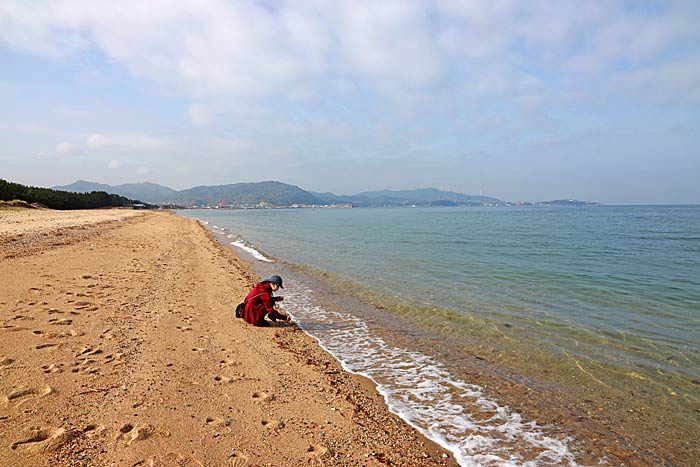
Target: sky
521,100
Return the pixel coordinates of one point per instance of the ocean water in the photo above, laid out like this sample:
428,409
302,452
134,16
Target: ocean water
612,291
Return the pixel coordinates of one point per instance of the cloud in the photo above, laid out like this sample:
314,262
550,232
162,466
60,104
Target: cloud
67,149
199,115
309,84
211,49
183,168
636,37
667,81
124,141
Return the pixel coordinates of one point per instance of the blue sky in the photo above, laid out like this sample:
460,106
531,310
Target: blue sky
521,100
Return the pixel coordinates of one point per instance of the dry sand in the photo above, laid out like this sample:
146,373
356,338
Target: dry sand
118,348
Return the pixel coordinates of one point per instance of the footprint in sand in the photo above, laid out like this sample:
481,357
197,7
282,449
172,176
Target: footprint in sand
150,462
197,349
86,306
88,351
112,357
5,361
238,459
22,394
261,396
44,346
217,421
228,363
61,322
176,459
133,433
85,366
22,317
184,328
317,452
59,335
18,394
223,379
53,368
42,439
272,424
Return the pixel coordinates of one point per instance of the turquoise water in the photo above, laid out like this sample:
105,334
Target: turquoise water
618,286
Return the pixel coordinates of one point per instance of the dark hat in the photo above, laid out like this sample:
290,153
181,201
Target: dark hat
275,280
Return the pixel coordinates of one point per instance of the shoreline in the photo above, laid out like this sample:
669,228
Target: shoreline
118,346
618,425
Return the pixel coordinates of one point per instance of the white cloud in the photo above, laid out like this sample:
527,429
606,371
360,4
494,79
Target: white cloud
667,81
213,49
124,141
114,164
385,40
199,115
67,148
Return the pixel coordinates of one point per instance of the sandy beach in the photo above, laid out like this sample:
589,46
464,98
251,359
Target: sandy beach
118,348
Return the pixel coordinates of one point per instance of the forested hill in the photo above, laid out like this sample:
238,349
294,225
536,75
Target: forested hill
419,196
147,192
277,194
56,199
242,194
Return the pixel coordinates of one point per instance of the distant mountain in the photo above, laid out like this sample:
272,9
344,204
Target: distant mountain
430,195
569,202
561,202
421,196
273,193
82,186
330,198
148,192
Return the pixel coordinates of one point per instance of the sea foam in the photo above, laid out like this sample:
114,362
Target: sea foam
238,243
256,254
455,414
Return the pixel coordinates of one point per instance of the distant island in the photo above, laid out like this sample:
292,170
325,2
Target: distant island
556,202
273,194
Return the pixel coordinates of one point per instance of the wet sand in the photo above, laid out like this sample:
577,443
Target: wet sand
118,347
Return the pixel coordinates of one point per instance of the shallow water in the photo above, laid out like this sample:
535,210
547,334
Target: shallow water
614,289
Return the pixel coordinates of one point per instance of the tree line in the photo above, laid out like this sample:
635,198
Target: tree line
55,199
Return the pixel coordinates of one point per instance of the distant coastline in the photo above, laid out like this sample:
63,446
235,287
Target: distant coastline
273,194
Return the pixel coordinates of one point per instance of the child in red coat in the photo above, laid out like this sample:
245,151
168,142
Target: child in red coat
260,303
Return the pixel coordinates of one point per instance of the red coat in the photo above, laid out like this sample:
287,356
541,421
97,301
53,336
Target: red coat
259,303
